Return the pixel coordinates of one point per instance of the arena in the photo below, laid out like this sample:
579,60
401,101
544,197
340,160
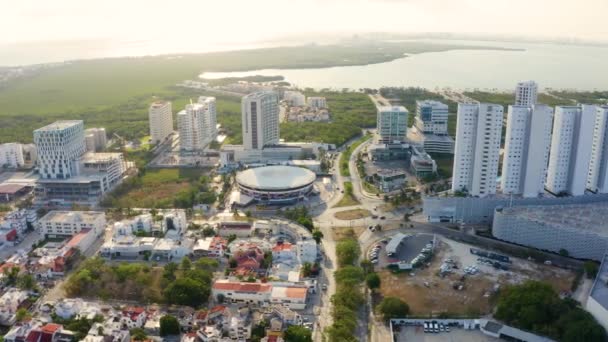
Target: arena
276,184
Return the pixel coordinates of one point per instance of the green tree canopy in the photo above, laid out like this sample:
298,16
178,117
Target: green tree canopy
373,281
393,307
298,333
186,291
169,325
347,252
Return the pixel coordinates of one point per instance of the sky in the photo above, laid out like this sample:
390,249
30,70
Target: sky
242,21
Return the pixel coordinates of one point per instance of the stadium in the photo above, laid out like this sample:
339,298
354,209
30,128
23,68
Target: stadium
275,184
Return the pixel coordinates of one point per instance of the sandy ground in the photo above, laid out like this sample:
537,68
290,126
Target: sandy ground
352,214
428,293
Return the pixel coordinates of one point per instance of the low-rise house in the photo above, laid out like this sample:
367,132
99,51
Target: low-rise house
11,301
283,251
20,331
241,292
168,249
287,315
211,247
209,334
240,229
67,308
291,296
50,332
108,331
128,246
133,317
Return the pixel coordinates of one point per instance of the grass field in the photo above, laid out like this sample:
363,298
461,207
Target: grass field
115,93
349,198
155,189
352,214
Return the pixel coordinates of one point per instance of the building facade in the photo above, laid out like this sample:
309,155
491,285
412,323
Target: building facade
59,147
570,149
526,93
68,223
197,124
11,155
392,123
160,118
597,181
260,120
526,151
478,136
95,139
432,117
317,102
294,98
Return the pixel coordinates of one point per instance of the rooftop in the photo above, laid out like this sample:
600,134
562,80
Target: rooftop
589,217
289,292
392,109
276,177
60,125
227,285
73,216
11,189
433,103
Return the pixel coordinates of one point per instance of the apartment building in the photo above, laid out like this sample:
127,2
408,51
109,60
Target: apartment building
392,123
260,120
294,98
526,151
68,223
597,180
209,117
11,155
59,147
95,139
197,124
160,118
526,93
478,136
571,145
317,102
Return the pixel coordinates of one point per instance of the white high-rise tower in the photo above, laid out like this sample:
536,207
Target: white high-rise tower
526,153
478,135
526,93
260,120
597,181
570,149
391,122
160,118
209,117
60,146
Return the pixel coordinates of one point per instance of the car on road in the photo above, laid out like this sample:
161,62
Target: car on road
374,216
324,287
382,217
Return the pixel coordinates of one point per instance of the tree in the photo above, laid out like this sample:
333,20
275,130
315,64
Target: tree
393,307
169,271
22,314
564,252
186,264
186,291
169,325
206,264
208,231
367,266
317,235
26,282
231,238
232,263
591,268
306,269
248,213
347,252
373,281
298,333
138,334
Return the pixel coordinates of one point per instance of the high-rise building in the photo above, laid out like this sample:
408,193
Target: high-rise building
597,181
160,117
570,149
526,93
260,119
294,98
60,145
478,135
432,117
197,124
95,139
11,155
209,117
317,102
526,153
392,123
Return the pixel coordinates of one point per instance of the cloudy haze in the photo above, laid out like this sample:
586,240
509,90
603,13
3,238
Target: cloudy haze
240,21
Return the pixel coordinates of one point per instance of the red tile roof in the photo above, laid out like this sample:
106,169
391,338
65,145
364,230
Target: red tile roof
282,247
50,328
242,287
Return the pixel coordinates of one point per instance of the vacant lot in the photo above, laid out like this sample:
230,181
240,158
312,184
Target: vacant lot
352,214
340,233
428,293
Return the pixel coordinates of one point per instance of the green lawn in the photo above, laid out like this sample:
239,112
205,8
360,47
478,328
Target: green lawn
349,198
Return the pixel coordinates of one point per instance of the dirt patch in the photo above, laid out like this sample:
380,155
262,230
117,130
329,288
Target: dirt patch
352,214
347,232
427,293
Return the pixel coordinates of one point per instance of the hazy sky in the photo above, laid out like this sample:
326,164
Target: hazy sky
241,21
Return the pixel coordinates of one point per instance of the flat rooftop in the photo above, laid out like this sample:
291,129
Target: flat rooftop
392,109
100,157
59,125
72,216
591,217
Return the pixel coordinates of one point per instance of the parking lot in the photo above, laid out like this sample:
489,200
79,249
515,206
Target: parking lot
409,249
417,334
